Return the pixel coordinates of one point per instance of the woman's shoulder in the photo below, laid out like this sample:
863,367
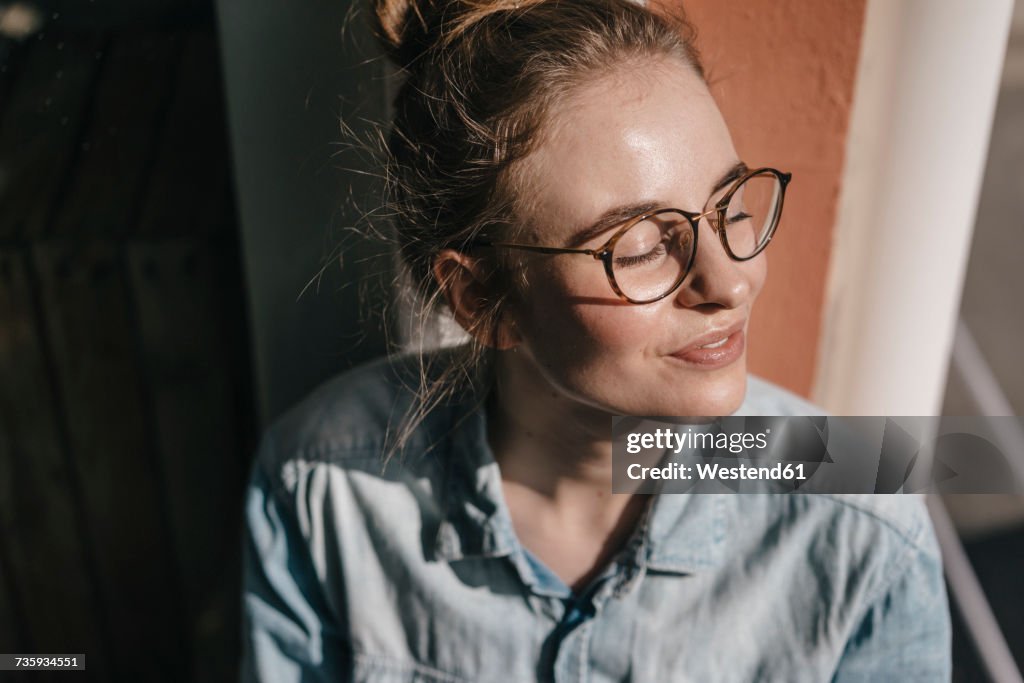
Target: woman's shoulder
903,519
861,545
355,413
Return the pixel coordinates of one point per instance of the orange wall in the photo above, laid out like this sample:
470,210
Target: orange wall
783,73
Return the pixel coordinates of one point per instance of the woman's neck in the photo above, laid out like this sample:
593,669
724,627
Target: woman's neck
555,457
541,432
559,449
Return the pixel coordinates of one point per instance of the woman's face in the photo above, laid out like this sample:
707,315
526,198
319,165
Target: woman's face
647,135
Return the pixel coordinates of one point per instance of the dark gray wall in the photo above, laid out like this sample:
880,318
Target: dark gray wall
290,74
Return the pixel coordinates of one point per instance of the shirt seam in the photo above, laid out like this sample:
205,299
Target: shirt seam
911,537
402,665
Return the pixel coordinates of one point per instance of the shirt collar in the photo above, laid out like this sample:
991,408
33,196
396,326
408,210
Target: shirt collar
687,532
476,522
684,533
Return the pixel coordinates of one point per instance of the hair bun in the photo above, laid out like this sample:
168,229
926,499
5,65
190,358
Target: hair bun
404,27
408,28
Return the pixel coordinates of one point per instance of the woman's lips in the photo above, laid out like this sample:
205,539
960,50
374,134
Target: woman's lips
715,353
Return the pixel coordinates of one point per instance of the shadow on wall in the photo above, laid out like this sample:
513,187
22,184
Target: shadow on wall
993,525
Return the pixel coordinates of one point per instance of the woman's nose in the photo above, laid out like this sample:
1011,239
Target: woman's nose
715,278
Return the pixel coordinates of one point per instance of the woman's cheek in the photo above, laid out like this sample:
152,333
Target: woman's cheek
759,274
621,329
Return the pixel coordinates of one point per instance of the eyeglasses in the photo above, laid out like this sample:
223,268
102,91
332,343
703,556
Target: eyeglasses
650,256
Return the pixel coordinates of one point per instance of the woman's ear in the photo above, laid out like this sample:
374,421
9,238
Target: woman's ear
469,288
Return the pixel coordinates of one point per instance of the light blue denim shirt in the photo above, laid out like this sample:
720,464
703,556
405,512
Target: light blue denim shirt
413,572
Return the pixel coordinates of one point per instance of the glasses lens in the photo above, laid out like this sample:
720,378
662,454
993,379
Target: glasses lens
653,256
752,214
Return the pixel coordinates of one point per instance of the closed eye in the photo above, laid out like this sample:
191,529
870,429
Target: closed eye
630,261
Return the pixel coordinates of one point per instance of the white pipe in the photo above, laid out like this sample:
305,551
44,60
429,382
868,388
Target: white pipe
981,383
987,395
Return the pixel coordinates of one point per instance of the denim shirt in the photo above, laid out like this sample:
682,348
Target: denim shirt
356,571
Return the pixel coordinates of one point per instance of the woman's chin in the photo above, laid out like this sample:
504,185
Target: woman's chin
711,395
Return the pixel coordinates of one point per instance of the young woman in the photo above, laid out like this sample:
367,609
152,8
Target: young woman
564,184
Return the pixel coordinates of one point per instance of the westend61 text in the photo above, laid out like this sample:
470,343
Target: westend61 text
716,472
669,439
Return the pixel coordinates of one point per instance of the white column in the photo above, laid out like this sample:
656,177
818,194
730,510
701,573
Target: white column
924,100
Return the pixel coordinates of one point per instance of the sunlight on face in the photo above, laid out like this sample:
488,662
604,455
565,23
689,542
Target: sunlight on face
644,135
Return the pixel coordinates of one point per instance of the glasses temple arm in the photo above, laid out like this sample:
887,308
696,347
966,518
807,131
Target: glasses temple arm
533,247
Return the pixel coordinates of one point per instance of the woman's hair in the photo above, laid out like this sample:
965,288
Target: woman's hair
481,78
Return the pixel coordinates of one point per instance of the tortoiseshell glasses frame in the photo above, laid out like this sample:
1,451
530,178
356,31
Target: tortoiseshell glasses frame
716,216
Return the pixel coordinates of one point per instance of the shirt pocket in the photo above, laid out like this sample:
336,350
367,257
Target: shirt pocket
371,669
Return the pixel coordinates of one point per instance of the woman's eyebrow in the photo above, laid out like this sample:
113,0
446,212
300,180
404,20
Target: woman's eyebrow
609,219
614,216
734,173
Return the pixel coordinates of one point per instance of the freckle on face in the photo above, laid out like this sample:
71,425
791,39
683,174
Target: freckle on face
644,132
